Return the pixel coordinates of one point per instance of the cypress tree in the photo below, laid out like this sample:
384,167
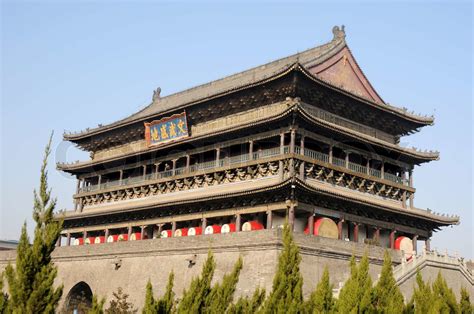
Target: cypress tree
287,292
444,296
356,294
97,306
193,300
422,296
31,281
387,295
246,305
321,299
4,297
465,305
166,303
150,303
221,295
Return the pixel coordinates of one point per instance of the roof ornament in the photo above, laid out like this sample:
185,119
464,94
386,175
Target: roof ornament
338,33
156,94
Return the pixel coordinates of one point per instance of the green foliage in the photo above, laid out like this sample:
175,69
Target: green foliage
246,305
221,294
97,306
287,294
4,297
321,299
465,305
166,303
31,281
120,305
194,299
356,294
422,296
444,296
387,295
150,304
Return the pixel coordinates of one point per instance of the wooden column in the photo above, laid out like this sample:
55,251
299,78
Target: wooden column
356,232
282,143
410,183
339,229
129,232
377,235
269,219
291,215
311,224
174,166
347,159
160,229
237,222
428,245
58,242
188,162
218,157
106,234
142,232
404,199
99,181
78,186
84,236
203,224
120,177
368,166
330,153
302,153
415,244
157,165
292,141
382,170
144,172
173,228
68,239
250,150
392,238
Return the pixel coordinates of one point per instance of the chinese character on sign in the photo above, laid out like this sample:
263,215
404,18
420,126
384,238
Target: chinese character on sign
166,129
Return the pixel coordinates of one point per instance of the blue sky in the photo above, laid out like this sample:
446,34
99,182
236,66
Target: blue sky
74,65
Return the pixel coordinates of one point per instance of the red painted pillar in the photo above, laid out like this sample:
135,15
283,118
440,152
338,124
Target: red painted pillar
392,239
311,224
356,232
339,229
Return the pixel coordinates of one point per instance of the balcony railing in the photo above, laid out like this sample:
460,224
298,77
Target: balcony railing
239,159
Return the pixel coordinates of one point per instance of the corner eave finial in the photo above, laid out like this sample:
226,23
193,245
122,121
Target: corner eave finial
156,94
339,33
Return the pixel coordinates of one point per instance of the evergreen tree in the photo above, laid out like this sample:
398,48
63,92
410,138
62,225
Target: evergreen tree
193,300
356,294
321,299
387,295
4,297
221,294
246,305
31,281
444,296
150,303
465,305
166,303
287,294
97,306
120,305
422,297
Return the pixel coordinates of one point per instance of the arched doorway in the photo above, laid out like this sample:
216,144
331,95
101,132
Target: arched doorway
79,299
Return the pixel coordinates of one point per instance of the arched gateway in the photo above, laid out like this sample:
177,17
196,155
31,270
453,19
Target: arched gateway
79,299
